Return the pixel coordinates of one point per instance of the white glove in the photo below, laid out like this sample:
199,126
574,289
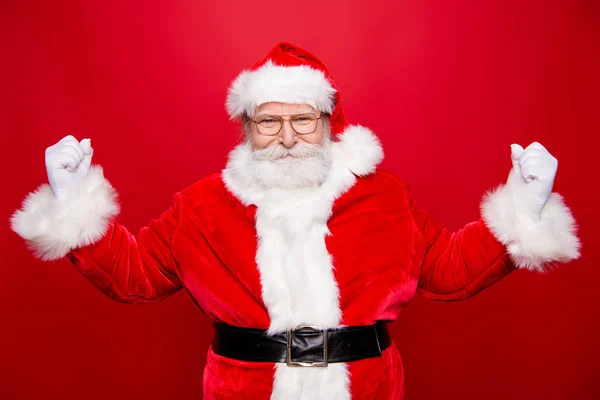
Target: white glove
67,164
532,175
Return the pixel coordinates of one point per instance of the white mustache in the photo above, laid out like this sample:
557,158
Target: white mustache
299,150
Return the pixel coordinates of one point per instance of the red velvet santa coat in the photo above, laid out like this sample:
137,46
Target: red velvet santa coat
351,252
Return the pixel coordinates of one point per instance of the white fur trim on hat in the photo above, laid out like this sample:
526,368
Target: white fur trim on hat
53,227
533,243
299,84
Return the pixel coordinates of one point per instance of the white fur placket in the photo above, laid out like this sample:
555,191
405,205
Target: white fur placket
296,271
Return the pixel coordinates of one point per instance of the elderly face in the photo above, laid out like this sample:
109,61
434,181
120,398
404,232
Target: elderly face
287,159
286,137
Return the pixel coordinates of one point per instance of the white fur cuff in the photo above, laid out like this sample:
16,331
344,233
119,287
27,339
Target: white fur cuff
531,242
53,227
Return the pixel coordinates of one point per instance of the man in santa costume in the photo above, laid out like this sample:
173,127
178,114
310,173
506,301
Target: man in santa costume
301,249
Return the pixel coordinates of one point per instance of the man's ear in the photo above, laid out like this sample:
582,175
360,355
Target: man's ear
246,127
326,118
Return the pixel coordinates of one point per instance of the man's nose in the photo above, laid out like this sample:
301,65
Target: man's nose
288,135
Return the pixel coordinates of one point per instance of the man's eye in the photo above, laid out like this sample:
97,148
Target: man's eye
302,120
268,121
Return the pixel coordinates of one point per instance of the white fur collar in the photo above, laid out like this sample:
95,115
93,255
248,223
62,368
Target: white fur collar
358,150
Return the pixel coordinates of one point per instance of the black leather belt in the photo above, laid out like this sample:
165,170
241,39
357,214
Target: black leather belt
304,346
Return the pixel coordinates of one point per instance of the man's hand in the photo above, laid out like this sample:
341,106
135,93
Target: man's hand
532,175
67,163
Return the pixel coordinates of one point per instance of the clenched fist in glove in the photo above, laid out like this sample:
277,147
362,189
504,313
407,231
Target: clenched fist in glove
532,175
525,215
74,210
67,164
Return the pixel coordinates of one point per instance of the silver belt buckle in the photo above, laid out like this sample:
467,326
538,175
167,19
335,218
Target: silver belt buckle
306,328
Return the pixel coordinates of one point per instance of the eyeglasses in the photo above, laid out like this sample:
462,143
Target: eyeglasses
302,124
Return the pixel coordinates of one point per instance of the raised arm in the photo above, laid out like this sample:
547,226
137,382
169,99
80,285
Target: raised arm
74,216
522,225
458,265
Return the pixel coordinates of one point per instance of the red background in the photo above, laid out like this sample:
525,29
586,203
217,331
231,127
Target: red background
448,86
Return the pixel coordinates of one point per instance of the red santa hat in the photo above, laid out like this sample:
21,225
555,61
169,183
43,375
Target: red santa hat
287,74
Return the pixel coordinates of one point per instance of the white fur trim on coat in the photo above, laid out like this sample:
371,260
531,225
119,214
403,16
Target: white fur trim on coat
299,84
296,270
53,227
533,243
360,149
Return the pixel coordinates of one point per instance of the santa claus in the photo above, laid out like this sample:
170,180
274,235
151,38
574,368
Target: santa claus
300,250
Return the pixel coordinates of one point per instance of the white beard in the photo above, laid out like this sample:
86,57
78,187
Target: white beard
308,165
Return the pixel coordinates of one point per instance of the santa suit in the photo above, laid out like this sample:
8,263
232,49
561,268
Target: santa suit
351,251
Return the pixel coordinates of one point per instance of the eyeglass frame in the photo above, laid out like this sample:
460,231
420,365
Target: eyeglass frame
282,120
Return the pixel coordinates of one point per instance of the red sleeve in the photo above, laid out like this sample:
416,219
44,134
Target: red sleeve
458,265
133,268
